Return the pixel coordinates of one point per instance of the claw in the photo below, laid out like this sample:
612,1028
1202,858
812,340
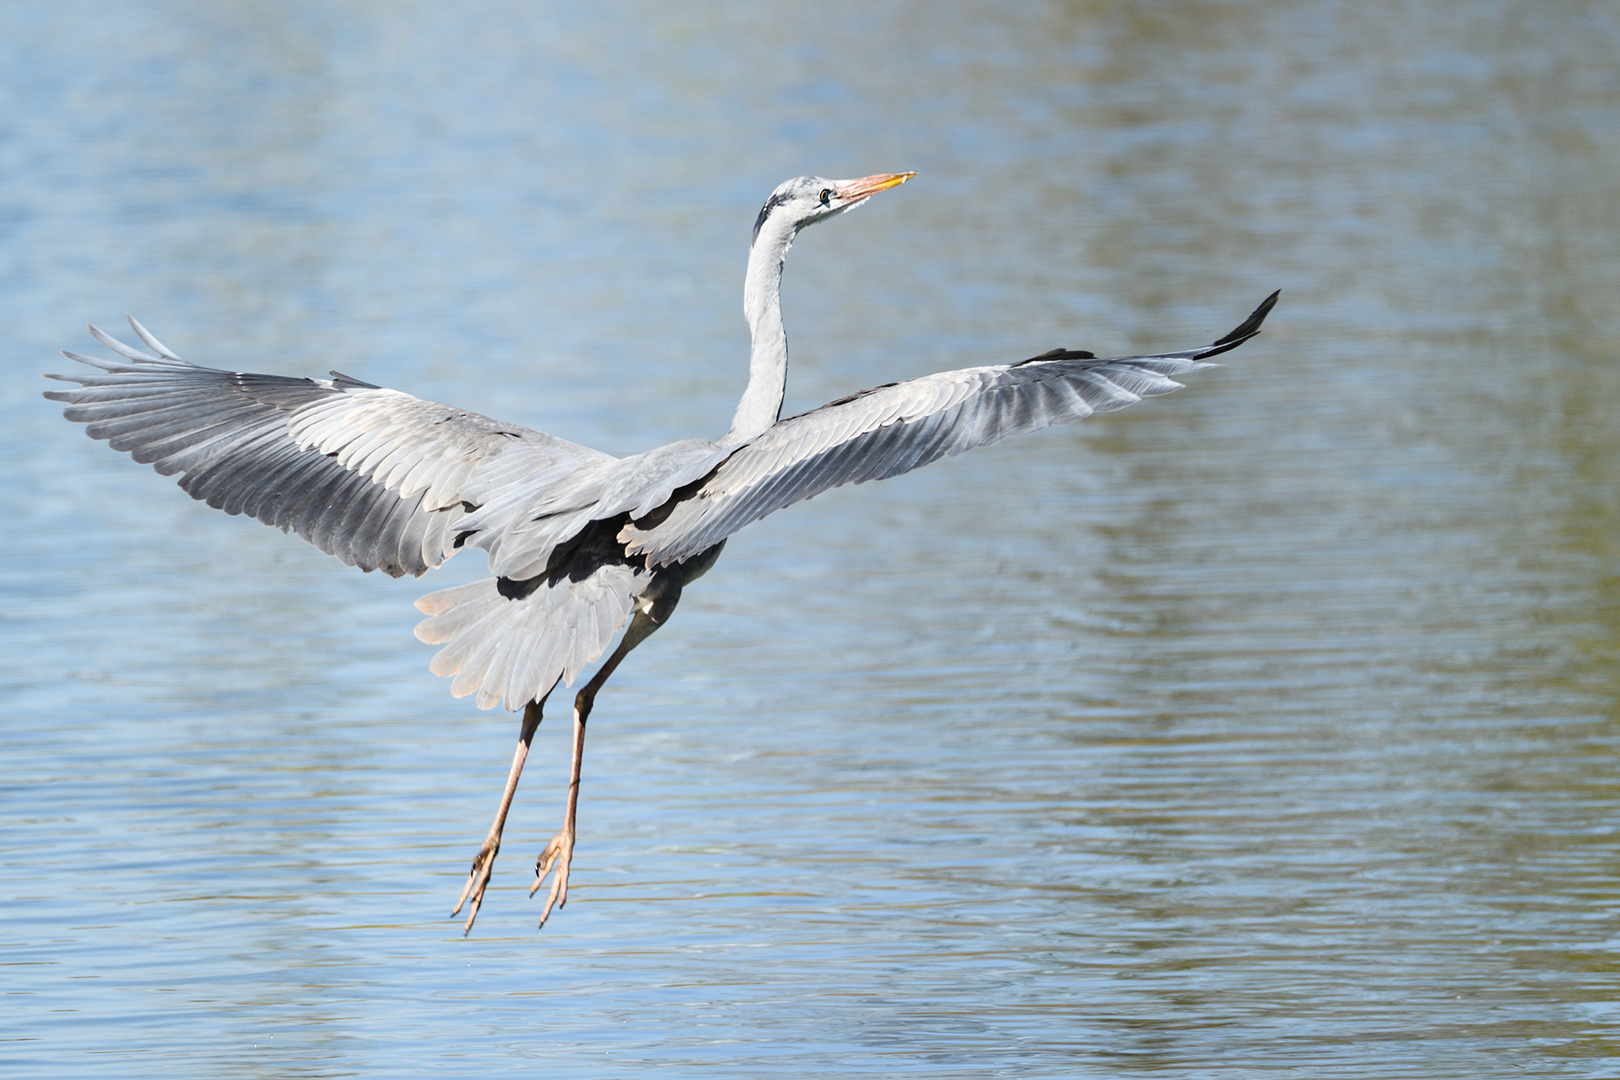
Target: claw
556,857
477,882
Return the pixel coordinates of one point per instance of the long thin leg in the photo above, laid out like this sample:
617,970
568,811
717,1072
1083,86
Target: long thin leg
560,851
484,862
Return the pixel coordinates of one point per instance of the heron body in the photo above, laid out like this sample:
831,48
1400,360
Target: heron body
581,545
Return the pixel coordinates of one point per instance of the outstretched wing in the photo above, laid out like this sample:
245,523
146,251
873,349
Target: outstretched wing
372,476
899,427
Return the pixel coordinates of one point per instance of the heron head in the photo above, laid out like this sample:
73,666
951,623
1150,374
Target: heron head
806,200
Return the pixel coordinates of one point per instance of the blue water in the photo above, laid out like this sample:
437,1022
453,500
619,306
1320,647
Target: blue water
1268,728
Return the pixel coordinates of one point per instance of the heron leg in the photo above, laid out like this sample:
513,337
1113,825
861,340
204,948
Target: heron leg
484,862
554,860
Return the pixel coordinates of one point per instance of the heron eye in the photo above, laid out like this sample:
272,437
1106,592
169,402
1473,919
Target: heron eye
826,193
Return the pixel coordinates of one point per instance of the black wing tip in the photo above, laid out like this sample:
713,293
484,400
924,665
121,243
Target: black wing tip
1248,328
1059,354
341,381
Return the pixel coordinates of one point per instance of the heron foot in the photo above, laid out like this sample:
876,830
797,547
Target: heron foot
554,860
477,881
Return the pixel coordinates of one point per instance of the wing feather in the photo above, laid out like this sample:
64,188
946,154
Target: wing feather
383,480
902,426
373,476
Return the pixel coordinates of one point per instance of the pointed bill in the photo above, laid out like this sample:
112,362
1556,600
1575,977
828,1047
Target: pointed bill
866,186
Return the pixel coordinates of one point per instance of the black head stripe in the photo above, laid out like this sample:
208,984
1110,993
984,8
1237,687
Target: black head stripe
776,199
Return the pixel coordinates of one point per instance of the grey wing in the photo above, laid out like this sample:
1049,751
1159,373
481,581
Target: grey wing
372,476
896,428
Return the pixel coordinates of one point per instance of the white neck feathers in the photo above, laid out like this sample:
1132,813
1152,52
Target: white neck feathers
761,403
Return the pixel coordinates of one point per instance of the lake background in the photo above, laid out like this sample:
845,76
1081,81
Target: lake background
1268,728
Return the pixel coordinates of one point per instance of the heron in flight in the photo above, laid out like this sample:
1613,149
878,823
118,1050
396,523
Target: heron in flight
579,543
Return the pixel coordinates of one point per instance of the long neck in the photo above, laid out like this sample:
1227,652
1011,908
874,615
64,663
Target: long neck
761,403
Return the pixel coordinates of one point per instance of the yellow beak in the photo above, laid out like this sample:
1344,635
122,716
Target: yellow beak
866,186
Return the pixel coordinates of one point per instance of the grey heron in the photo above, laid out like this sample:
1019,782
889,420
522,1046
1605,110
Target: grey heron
579,543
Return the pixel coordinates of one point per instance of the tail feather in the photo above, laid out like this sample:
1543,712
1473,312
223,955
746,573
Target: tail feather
513,651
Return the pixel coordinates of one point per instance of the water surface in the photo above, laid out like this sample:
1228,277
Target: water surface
1266,728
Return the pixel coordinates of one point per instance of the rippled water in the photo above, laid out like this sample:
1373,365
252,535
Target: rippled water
1266,728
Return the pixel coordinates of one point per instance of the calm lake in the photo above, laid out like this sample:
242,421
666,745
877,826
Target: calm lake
1269,728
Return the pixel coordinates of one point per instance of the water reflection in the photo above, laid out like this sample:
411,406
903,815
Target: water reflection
1269,726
